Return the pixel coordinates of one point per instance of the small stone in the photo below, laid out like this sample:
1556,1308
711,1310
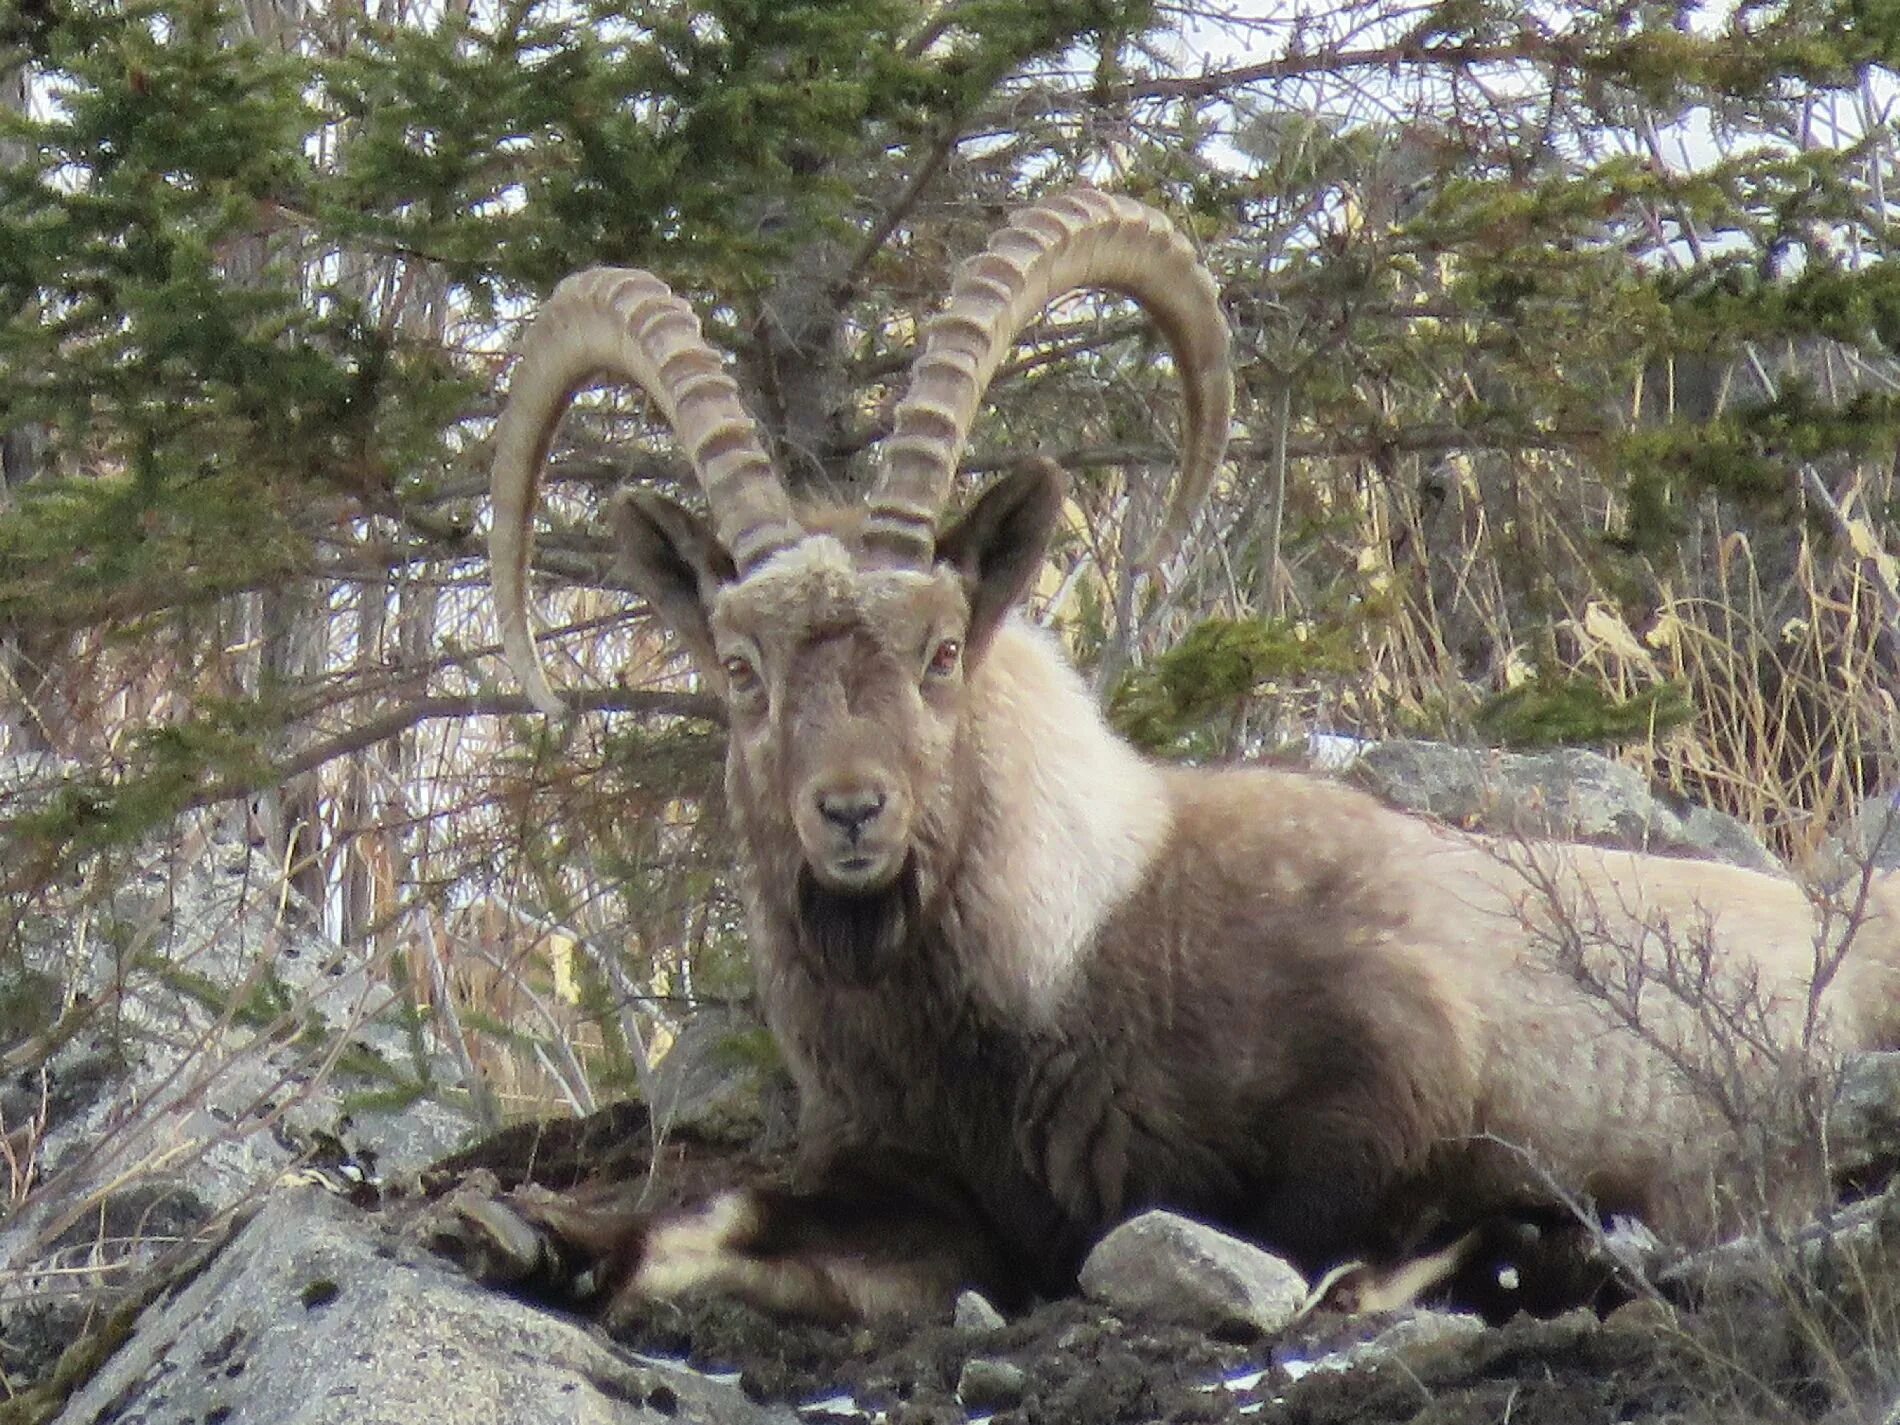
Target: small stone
497,1244
985,1384
974,1313
1165,1264
1438,1344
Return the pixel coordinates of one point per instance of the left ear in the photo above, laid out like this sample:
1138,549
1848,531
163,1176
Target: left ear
672,557
1001,542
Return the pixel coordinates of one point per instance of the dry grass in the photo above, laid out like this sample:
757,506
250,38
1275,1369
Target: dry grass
1789,658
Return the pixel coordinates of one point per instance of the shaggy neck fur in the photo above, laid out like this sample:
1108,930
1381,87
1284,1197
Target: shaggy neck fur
1070,819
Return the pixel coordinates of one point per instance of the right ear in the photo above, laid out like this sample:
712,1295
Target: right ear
671,556
1000,544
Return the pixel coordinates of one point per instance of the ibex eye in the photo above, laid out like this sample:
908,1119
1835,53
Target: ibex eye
740,674
943,661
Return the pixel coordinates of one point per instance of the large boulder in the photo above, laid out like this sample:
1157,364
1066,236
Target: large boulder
1567,795
316,1314
173,1046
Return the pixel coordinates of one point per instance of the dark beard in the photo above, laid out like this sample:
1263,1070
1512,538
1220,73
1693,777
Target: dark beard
857,937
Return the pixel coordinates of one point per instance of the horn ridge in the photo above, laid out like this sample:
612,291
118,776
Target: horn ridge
627,324
1081,238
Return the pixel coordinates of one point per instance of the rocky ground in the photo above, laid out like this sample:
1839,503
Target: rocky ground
319,1310
1803,1330
348,1304
1074,1364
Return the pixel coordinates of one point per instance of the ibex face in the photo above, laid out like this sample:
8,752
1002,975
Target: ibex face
845,675
844,687
844,640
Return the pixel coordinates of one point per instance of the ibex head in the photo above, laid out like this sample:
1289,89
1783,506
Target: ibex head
847,641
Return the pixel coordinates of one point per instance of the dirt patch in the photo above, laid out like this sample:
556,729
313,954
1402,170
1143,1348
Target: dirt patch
1563,1372
1079,1365
556,1153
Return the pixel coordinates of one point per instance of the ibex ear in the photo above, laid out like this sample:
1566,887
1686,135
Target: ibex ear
1002,541
672,557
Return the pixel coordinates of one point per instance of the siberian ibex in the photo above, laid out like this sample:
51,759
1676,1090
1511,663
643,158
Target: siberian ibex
1036,981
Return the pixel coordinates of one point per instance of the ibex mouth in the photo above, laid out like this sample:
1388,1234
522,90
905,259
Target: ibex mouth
860,873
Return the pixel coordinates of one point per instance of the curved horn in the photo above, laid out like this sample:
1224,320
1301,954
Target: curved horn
627,324
1078,239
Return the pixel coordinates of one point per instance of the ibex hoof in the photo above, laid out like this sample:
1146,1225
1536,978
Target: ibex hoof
498,1245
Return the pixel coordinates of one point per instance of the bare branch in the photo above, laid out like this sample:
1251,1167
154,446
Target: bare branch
934,159
1389,57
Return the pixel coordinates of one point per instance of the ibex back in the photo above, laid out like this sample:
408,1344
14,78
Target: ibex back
1029,981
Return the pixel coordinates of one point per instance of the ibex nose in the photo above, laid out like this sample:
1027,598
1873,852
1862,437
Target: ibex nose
851,810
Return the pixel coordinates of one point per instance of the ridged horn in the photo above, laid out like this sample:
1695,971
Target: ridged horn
626,324
1078,239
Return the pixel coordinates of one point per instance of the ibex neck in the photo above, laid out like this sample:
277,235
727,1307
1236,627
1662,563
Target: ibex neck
1070,819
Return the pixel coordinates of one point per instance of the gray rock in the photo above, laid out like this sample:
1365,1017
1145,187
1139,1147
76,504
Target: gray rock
1170,1265
30,780
1568,794
1421,1340
1718,836
991,1385
974,1313
1874,834
1879,819
1858,1239
1424,1337
1863,1124
315,1313
223,1048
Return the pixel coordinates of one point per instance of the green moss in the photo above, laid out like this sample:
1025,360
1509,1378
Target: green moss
30,1004
267,1001
389,1100
1567,711
751,1049
1215,670
320,1292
